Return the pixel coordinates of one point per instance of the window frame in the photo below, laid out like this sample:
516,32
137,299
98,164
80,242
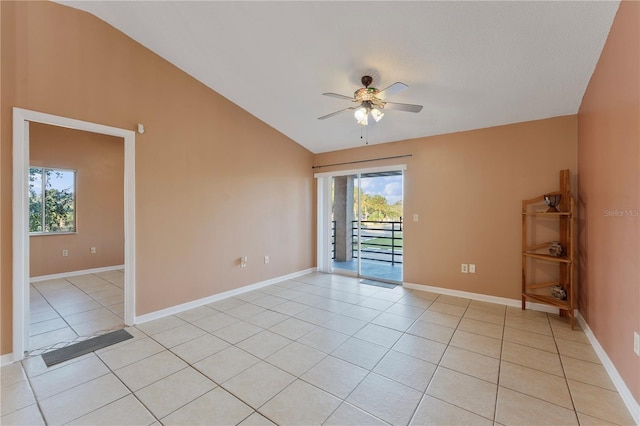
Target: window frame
43,197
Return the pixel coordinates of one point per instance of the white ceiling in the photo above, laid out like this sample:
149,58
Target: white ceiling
471,64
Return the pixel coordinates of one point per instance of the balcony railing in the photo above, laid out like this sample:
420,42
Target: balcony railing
381,241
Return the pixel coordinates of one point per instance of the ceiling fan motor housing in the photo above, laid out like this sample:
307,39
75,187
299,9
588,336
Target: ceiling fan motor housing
366,94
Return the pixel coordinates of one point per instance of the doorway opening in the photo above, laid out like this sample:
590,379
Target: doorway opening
21,247
76,236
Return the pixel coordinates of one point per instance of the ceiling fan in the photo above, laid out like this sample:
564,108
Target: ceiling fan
372,101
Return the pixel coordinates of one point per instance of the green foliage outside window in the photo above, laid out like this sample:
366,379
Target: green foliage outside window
376,207
51,200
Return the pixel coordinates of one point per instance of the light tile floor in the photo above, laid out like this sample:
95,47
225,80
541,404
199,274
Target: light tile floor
66,310
299,353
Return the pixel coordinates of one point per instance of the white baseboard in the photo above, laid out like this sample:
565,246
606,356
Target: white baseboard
7,359
216,297
516,303
73,273
623,390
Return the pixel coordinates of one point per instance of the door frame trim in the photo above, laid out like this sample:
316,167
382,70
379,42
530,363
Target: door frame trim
21,310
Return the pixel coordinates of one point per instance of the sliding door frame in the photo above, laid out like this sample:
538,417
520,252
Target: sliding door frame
324,204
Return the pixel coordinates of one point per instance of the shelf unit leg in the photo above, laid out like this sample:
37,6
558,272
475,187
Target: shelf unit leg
572,320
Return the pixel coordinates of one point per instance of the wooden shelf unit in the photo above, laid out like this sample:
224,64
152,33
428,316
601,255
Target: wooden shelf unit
537,252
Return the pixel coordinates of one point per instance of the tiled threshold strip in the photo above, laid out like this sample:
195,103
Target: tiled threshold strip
39,351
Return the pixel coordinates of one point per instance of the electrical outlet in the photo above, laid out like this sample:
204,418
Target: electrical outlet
415,217
92,250
243,261
464,268
636,343
266,260
65,252
472,268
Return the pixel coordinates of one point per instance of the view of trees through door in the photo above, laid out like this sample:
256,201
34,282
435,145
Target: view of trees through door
367,227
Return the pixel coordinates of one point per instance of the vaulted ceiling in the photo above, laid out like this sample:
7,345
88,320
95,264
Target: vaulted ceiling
471,64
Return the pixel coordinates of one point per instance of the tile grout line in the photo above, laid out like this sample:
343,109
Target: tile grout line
131,392
33,392
439,366
96,300
564,373
350,336
63,317
538,398
342,400
495,408
55,310
221,385
50,347
405,332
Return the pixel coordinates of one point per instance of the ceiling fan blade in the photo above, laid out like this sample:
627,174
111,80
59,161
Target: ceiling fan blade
396,87
337,112
402,107
336,95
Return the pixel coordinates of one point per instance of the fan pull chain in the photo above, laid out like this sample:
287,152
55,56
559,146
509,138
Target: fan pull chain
364,129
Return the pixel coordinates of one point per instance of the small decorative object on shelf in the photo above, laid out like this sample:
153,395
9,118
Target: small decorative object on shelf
547,249
555,249
558,292
552,200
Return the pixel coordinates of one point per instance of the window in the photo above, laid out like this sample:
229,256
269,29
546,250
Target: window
52,200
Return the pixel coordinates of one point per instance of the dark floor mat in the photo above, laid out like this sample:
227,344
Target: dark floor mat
379,283
82,348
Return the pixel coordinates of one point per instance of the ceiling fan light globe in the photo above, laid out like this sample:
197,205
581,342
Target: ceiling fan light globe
377,114
360,114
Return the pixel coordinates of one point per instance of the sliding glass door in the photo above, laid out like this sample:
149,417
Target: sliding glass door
366,225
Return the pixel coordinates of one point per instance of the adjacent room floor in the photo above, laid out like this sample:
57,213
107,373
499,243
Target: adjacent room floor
325,349
66,310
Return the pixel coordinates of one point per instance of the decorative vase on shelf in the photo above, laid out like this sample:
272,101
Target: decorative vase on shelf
555,249
558,292
552,201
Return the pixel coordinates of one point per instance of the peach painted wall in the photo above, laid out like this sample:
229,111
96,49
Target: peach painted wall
467,189
99,164
213,183
7,94
609,161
